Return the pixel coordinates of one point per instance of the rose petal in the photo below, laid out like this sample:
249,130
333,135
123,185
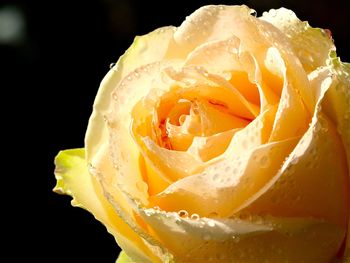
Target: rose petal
196,82
317,162
256,36
336,104
222,186
145,49
121,198
193,239
74,179
291,109
311,45
207,148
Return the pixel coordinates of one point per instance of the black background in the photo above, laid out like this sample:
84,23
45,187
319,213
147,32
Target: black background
51,75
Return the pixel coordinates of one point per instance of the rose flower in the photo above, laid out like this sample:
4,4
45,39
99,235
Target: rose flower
226,139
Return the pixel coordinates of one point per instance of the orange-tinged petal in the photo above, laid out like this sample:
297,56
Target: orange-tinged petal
223,187
216,118
212,88
172,164
241,82
155,182
219,185
207,148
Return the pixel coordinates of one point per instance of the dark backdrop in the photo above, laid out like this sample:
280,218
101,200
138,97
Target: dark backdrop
53,54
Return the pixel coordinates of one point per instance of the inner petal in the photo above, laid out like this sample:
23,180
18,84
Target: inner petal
199,118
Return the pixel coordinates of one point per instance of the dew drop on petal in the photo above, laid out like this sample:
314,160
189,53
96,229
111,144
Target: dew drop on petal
211,223
273,12
227,169
216,177
183,213
253,13
195,217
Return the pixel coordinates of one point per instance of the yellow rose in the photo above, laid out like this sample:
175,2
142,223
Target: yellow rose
226,139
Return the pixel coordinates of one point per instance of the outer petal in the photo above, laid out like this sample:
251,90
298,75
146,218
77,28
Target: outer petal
212,23
245,239
145,49
336,105
112,183
321,159
311,45
292,118
74,179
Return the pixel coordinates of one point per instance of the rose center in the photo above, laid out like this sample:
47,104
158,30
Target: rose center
188,119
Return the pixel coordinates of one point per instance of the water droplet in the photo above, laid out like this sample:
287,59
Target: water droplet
273,12
253,13
115,96
195,217
112,65
105,119
129,78
211,223
216,177
183,213
156,208
227,169
91,168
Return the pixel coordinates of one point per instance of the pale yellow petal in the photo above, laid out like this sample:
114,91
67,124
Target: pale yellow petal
318,162
213,23
73,178
336,104
292,118
225,186
145,50
244,240
311,45
120,196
